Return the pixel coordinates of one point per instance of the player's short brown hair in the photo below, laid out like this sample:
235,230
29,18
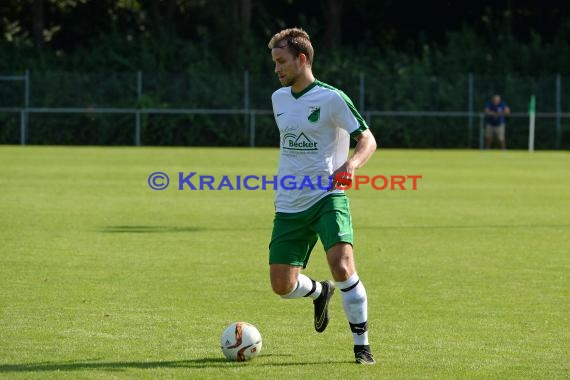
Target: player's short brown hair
296,40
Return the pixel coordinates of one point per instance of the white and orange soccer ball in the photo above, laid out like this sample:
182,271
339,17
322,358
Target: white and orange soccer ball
241,341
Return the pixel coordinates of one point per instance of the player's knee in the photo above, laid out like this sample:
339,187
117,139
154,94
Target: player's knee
281,287
342,272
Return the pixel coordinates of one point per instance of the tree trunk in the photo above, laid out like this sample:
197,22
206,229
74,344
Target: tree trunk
162,16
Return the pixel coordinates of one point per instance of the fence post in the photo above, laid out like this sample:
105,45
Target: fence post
362,92
251,128
558,110
481,131
246,101
531,122
23,127
24,116
470,99
138,113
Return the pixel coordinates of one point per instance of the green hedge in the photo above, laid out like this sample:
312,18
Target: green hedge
183,74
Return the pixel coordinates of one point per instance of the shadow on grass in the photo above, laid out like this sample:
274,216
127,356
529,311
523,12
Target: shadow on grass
149,229
481,226
122,366
173,229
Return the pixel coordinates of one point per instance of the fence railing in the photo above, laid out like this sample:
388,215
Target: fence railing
248,95
251,115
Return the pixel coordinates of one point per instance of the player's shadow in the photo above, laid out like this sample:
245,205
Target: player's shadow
94,364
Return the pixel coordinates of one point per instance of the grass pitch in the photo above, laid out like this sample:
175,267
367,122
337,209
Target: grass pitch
102,277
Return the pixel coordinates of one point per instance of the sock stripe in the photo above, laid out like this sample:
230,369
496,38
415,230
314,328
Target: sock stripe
312,289
358,328
350,287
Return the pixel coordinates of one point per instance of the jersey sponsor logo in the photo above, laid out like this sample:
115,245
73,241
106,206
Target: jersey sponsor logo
314,114
301,142
279,114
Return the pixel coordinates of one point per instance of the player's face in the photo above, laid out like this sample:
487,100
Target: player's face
287,67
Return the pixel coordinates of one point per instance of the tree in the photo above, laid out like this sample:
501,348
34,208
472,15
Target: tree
332,10
38,23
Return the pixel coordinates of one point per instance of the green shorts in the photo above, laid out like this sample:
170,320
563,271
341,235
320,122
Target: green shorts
295,234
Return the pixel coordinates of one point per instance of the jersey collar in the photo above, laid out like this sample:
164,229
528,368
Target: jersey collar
297,95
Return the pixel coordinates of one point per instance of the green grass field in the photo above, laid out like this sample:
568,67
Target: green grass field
102,277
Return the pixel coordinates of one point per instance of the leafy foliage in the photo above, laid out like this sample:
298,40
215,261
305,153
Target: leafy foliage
193,54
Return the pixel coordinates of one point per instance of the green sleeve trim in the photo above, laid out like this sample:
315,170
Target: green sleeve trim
360,129
361,122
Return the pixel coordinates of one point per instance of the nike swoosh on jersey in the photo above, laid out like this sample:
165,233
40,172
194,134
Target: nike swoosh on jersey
343,233
279,114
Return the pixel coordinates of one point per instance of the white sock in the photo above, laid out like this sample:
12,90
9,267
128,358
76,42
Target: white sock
305,288
355,306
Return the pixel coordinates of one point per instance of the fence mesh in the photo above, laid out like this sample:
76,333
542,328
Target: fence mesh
401,92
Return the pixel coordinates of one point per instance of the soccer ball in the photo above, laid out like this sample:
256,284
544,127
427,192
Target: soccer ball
241,341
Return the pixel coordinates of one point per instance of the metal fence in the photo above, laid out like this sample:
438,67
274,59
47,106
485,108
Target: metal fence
402,108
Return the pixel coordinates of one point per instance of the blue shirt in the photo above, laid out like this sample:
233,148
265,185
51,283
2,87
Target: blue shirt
496,121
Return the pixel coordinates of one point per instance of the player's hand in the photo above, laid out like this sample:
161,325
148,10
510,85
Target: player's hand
342,177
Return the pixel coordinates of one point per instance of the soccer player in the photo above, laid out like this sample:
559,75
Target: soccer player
495,111
316,122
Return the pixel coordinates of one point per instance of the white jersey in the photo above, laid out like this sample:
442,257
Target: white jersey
315,127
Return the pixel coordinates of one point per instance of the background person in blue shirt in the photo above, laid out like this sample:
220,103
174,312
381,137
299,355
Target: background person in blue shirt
495,111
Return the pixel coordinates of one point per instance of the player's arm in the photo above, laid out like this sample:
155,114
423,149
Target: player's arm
347,117
364,149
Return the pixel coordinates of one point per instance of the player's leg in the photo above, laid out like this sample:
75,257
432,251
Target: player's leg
283,278
291,244
288,282
335,230
354,300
